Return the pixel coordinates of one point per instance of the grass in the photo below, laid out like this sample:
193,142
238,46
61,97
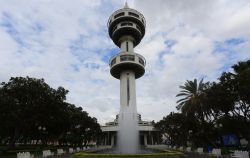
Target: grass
164,153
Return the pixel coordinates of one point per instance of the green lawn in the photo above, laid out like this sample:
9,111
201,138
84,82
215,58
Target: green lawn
164,153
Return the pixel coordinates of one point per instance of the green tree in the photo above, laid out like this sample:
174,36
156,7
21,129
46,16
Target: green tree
242,87
175,126
28,103
32,110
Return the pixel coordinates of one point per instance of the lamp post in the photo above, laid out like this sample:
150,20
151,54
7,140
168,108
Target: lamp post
190,132
42,131
218,127
86,135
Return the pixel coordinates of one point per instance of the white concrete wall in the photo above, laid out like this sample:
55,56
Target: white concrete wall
115,128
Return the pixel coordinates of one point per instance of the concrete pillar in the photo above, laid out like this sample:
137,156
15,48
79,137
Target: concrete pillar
152,139
112,140
105,140
145,139
108,138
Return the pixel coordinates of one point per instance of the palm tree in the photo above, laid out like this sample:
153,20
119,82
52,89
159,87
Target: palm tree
192,104
193,100
190,93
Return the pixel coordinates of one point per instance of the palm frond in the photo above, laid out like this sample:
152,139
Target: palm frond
183,99
182,94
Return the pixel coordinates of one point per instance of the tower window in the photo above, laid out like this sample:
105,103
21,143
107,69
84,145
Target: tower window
129,24
127,58
127,46
133,14
118,15
141,61
138,28
126,24
113,61
123,24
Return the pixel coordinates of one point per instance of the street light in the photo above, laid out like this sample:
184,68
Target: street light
189,141
217,127
41,130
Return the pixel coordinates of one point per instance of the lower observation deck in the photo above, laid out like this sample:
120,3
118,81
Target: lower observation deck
127,61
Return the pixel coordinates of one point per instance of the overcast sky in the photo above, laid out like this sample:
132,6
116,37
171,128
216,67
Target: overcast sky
67,44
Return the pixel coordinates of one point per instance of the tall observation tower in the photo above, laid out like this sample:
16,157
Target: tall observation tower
126,28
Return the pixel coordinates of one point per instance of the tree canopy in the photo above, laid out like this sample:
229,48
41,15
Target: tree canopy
32,110
212,109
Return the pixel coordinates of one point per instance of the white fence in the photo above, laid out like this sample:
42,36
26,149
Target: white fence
24,155
47,153
240,154
200,150
216,152
78,149
60,152
71,150
188,149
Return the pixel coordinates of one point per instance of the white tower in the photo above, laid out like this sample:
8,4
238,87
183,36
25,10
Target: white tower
126,29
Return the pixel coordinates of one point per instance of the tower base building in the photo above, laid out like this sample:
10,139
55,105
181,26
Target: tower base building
148,135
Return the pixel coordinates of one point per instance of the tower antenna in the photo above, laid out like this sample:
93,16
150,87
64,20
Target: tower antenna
126,4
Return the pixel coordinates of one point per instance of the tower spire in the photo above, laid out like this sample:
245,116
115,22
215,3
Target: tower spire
126,5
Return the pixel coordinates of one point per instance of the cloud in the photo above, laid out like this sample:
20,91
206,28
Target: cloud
182,42
67,44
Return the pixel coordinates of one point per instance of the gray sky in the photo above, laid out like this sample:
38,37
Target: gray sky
67,44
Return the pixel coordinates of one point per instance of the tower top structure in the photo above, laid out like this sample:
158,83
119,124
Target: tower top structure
126,22
126,28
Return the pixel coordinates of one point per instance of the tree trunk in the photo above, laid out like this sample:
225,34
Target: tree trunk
85,143
14,138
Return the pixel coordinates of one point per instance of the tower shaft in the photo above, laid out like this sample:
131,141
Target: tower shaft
127,91
127,44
